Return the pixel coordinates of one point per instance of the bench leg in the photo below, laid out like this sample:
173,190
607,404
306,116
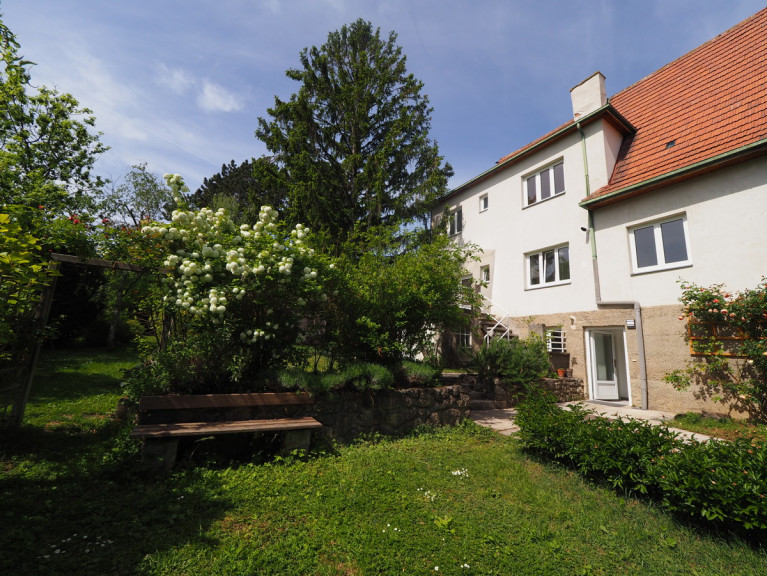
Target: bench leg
159,454
295,440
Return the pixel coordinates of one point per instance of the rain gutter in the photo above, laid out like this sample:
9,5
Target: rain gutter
598,290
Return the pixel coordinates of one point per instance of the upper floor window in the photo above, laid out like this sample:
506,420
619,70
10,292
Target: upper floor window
660,245
455,222
544,184
483,203
548,267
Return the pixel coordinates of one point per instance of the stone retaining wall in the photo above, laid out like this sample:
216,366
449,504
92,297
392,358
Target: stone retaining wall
498,394
347,414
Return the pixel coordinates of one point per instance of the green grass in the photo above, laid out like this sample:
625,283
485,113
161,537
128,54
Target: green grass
725,428
447,499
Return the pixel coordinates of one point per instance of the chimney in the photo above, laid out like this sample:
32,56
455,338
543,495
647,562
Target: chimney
589,95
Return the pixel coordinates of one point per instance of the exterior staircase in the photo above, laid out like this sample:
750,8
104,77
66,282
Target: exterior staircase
494,321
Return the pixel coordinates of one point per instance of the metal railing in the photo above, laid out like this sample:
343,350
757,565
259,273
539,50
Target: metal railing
501,322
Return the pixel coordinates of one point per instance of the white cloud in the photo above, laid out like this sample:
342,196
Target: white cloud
216,98
178,80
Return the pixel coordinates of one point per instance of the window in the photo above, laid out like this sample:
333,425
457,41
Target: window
548,267
556,341
463,339
483,203
484,274
455,224
545,184
660,246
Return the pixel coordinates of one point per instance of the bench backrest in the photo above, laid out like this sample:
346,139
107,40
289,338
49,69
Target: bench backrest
212,401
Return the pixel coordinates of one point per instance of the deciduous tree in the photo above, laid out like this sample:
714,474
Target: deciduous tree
47,147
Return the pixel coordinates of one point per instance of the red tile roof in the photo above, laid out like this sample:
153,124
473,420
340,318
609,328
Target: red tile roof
709,102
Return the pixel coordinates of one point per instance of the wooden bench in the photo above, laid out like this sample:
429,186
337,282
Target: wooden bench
163,420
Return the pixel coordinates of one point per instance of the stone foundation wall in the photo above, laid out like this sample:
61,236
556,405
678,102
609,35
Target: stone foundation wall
347,414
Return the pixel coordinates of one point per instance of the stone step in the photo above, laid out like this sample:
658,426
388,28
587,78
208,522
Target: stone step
482,405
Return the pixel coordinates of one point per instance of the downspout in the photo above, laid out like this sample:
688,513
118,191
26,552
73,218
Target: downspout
598,290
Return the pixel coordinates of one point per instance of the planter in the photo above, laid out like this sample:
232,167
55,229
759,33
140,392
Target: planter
560,372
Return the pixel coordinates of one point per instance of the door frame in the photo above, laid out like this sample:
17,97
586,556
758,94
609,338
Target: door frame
620,349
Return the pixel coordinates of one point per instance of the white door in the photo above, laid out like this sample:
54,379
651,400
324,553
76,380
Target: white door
604,368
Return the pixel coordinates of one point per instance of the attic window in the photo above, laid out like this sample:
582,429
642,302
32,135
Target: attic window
670,144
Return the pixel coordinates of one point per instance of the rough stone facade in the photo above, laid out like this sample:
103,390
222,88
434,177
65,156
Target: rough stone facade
665,350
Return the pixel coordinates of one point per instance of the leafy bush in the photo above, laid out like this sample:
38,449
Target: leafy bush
360,375
717,480
722,482
419,374
514,361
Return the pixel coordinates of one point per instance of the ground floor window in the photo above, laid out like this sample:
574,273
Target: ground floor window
556,341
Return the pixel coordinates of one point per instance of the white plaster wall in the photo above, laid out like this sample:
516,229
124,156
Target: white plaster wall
727,222
508,230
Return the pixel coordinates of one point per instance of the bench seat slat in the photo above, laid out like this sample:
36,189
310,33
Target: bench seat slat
149,403
210,428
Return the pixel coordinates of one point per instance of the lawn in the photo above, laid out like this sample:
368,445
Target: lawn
459,501
725,428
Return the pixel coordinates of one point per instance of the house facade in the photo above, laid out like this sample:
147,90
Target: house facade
586,232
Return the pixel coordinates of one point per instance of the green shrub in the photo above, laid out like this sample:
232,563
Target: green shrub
721,482
717,480
514,361
419,374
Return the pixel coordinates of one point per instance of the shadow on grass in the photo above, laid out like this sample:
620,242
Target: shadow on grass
99,525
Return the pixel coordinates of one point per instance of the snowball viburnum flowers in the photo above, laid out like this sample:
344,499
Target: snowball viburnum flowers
215,264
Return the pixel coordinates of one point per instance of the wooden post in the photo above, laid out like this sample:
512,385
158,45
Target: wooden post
41,320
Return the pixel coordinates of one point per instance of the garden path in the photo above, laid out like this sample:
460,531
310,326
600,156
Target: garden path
502,419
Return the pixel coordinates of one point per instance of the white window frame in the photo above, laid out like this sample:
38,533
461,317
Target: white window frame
536,177
484,274
455,222
657,229
541,256
484,203
556,340
463,339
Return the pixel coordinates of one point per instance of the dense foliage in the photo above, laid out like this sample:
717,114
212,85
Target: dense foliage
351,146
729,332
237,189
22,277
397,293
723,483
520,362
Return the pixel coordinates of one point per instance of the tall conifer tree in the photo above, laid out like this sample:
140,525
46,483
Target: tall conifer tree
351,148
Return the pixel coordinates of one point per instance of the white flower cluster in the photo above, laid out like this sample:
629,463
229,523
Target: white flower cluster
215,263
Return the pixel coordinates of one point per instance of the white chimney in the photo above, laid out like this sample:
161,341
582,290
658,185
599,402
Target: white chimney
589,95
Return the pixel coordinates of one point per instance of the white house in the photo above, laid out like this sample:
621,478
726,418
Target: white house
588,229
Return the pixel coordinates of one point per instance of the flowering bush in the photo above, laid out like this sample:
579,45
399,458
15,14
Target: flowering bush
729,332
237,294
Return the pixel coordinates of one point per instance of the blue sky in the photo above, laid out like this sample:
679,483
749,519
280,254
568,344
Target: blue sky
180,84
